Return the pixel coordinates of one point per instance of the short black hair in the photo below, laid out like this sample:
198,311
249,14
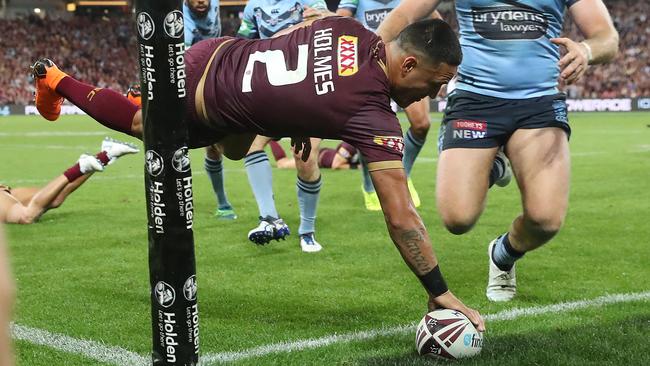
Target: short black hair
434,39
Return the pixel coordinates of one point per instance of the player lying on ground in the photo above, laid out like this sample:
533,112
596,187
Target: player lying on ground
26,205
238,89
344,156
7,292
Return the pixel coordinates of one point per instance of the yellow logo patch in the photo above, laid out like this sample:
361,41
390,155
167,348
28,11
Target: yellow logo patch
393,142
348,55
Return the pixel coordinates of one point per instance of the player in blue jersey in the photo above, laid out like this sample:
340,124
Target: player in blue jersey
263,19
371,13
201,19
506,95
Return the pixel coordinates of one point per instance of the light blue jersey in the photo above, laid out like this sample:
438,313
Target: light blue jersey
264,18
369,12
507,52
200,28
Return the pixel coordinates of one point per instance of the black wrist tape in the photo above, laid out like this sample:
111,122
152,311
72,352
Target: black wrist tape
433,282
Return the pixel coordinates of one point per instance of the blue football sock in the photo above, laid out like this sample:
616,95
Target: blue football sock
261,180
308,193
412,147
214,168
504,255
367,181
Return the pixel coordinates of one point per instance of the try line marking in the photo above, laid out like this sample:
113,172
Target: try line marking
121,357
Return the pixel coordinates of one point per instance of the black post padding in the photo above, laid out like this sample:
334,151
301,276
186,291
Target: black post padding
168,183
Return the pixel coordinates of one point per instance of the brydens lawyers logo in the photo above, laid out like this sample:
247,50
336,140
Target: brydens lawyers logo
393,142
181,160
165,294
468,129
174,24
146,27
348,55
154,163
189,288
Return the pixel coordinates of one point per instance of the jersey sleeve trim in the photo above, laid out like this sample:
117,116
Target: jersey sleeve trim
199,99
385,165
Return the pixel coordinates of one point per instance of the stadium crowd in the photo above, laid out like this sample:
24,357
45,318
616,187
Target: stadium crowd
81,45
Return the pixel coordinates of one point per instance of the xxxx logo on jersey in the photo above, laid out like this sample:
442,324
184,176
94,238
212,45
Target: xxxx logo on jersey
348,55
394,142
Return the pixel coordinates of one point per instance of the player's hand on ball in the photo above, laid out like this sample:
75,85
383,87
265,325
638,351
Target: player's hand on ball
302,146
576,61
449,301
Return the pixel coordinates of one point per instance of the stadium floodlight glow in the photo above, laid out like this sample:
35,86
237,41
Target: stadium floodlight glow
168,184
71,7
37,10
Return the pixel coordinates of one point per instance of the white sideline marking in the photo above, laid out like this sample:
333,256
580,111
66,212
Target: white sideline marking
510,314
91,349
122,357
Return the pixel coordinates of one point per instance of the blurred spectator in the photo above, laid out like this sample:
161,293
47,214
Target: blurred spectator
101,51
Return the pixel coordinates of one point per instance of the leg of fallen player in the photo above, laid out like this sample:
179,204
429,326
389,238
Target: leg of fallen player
7,291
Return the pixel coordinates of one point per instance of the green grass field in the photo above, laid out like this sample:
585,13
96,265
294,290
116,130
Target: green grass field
82,270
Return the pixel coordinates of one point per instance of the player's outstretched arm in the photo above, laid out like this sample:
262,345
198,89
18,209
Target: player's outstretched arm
412,240
406,13
600,44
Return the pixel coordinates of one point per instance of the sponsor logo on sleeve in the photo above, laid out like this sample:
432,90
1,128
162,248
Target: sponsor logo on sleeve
174,24
146,27
468,129
348,52
375,17
392,142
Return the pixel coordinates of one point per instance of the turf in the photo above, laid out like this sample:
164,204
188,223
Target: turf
82,270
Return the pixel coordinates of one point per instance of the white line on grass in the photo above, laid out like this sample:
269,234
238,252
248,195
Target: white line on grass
122,357
213,358
91,349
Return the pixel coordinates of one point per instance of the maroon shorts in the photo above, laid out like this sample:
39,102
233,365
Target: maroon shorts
196,61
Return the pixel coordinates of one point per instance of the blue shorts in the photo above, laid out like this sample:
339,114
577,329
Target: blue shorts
478,121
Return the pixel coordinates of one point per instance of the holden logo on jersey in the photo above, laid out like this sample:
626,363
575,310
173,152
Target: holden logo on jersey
174,24
393,142
181,160
189,288
146,27
468,129
154,163
375,17
513,21
348,55
165,294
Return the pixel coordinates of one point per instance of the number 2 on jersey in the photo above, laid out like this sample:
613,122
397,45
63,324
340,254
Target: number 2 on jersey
276,68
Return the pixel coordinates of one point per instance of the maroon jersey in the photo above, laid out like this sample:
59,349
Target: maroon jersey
327,80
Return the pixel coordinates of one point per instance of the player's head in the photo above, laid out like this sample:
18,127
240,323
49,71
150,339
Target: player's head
423,57
199,7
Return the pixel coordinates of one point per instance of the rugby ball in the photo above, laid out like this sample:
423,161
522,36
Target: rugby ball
448,334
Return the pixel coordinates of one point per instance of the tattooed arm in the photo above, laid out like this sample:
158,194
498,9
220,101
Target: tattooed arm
410,236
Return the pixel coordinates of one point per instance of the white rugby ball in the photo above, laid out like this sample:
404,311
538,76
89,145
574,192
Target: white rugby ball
449,334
